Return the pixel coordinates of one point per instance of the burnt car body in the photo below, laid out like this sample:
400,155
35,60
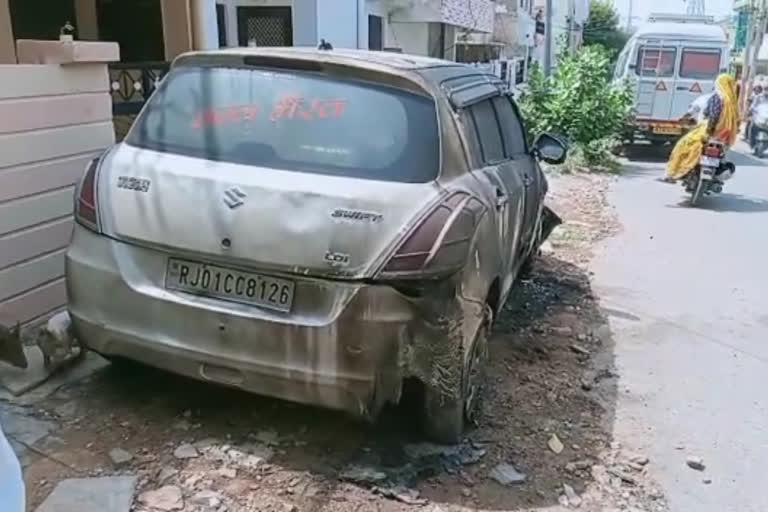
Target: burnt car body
317,226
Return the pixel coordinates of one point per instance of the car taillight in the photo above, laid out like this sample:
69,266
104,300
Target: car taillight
86,212
713,150
439,244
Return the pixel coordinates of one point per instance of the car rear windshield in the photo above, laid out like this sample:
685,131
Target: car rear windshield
295,121
656,62
700,64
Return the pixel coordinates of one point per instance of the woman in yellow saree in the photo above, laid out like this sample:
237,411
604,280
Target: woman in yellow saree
721,120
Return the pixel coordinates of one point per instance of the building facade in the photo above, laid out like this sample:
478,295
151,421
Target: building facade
507,49
159,30
560,30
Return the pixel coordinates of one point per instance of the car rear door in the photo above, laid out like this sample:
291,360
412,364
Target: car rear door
699,65
504,177
655,74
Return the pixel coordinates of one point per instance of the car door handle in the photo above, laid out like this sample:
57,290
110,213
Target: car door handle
501,199
682,88
527,181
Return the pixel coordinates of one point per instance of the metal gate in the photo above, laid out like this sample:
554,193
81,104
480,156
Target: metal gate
131,85
264,26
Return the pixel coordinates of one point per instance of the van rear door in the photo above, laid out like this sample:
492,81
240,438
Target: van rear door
655,73
696,74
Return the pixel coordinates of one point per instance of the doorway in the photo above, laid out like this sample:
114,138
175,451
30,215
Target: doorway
375,39
137,25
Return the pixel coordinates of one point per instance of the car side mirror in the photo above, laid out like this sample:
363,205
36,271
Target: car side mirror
550,149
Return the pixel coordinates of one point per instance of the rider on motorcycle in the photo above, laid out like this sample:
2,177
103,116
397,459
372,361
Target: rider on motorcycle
721,121
758,99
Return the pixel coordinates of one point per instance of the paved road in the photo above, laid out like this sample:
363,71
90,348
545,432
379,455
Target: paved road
686,290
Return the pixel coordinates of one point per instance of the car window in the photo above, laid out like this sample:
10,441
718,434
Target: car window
700,64
656,62
512,131
293,121
488,134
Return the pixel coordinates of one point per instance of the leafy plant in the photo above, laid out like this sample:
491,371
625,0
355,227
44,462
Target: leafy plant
579,101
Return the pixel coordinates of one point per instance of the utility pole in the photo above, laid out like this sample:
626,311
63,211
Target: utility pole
548,40
755,38
629,16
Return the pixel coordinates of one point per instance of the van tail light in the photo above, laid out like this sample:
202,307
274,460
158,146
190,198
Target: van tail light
440,242
713,150
86,210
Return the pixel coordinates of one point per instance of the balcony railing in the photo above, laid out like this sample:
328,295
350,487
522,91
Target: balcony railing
132,83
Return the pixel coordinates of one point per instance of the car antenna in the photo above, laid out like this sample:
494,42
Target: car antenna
324,45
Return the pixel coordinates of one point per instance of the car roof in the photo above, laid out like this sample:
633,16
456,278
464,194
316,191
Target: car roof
699,31
427,68
341,55
448,76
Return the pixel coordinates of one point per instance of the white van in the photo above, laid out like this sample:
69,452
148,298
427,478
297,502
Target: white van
670,65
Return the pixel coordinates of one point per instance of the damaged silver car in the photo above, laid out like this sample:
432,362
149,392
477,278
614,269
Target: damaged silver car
317,226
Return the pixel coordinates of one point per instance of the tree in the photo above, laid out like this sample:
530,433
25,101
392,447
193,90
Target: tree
602,27
579,101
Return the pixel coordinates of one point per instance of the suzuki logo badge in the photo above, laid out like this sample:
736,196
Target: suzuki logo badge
234,196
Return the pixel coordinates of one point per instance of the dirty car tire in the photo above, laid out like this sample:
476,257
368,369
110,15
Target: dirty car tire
445,417
529,265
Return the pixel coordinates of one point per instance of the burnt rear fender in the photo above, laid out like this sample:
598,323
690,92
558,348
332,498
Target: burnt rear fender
450,313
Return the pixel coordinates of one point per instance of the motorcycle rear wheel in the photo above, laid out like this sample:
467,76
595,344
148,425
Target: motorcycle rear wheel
698,189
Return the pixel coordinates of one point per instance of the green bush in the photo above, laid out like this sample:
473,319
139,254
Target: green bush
579,101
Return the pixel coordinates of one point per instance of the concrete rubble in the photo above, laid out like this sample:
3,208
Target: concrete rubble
105,494
120,457
186,451
507,474
165,498
555,444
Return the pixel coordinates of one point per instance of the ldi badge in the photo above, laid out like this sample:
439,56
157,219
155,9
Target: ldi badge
356,215
337,259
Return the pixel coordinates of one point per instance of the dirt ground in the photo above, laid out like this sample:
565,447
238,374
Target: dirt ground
547,411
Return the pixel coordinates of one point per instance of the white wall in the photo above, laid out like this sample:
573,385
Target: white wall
305,22
337,22
53,120
205,28
412,38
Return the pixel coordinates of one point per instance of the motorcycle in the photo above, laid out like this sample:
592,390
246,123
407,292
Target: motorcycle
759,128
710,174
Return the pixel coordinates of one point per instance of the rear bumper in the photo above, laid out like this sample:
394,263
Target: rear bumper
656,130
351,360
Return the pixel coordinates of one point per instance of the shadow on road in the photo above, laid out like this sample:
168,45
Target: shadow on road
734,203
743,159
551,373
647,153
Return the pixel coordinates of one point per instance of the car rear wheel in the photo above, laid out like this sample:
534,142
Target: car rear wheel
445,416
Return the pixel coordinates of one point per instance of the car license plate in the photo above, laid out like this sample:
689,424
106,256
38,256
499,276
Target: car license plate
667,130
229,284
708,161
